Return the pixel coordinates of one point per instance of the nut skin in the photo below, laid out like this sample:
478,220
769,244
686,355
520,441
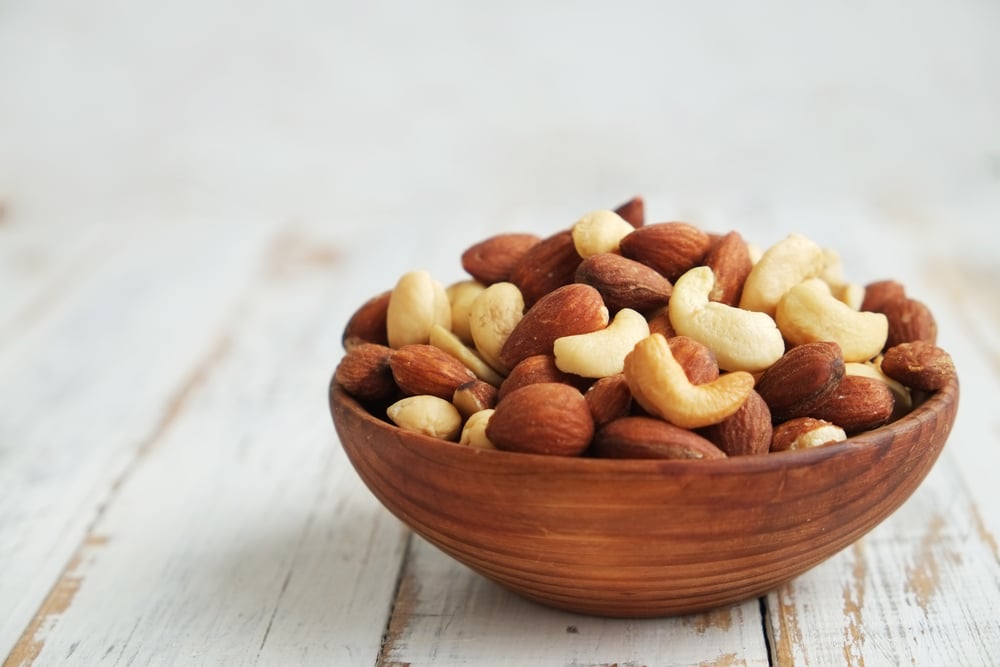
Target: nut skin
880,293
859,404
909,320
804,377
651,438
633,211
697,360
546,418
566,311
671,248
419,368
609,398
492,260
919,365
747,432
364,372
367,324
546,266
803,432
624,283
474,396
536,369
729,259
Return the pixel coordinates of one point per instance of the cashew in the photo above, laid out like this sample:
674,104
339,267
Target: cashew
742,340
494,314
809,312
461,295
833,275
598,232
416,304
658,383
786,263
446,340
601,353
474,431
426,414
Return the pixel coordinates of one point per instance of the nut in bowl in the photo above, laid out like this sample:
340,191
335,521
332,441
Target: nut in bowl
655,480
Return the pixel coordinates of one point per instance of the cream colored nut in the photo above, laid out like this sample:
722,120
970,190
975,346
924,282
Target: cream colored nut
852,294
658,383
601,353
805,432
742,340
474,431
494,314
599,232
786,263
461,296
809,312
903,401
447,341
416,304
426,414
833,267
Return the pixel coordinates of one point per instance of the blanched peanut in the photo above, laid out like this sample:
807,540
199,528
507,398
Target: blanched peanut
426,414
494,314
447,341
658,383
742,340
474,431
808,312
599,232
601,353
786,263
416,304
461,296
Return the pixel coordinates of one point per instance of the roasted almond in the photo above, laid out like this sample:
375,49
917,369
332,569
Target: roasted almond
633,211
367,324
364,372
535,369
880,293
804,377
805,432
909,320
729,259
492,260
669,247
651,438
859,404
918,365
474,396
545,418
546,266
624,283
698,361
744,433
419,368
609,398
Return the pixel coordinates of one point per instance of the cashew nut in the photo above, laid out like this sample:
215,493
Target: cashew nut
474,431
447,341
461,295
601,353
426,414
658,383
416,304
598,232
786,263
494,314
809,312
742,340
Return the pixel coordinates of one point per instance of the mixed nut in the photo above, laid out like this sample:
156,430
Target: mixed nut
617,338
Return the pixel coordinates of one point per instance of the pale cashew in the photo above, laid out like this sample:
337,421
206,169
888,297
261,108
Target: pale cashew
832,274
446,340
461,295
786,263
426,414
809,312
601,353
416,304
494,314
599,232
742,340
474,431
658,383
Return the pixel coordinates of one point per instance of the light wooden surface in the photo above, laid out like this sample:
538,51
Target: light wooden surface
195,196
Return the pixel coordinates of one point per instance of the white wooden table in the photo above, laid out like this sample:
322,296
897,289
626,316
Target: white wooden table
194,197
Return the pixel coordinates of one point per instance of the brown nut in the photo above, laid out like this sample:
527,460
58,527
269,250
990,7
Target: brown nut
919,365
801,379
545,418
367,324
546,266
669,247
697,360
536,369
419,368
364,372
634,211
624,283
492,260
805,432
474,396
746,432
609,398
859,404
909,320
729,259
880,293
651,438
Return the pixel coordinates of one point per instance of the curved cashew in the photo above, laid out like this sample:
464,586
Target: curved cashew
494,314
601,353
426,414
658,383
598,232
474,431
809,312
447,341
461,295
416,304
742,340
786,263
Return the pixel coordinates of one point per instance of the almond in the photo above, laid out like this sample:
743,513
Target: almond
634,211
474,396
801,379
491,260
880,293
804,432
651,438
624,283
535,369
364,372
698,361
546,266
609,398
419,368
544,418
918,365
746,432
659,322
367,324
669,247
566,311
859,404
909,320
729,259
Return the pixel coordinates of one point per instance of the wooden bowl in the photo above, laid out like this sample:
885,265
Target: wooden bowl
641,538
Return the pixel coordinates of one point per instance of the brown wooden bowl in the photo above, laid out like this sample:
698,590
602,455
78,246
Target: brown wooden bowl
635,538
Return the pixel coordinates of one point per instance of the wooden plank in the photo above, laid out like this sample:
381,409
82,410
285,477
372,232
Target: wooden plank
240,535
99,376
445,614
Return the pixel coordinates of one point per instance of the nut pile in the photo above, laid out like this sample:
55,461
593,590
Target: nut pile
616,338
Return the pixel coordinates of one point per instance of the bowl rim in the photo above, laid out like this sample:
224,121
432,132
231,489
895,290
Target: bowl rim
941,402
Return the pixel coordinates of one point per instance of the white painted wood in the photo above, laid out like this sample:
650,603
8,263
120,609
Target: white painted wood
445,614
